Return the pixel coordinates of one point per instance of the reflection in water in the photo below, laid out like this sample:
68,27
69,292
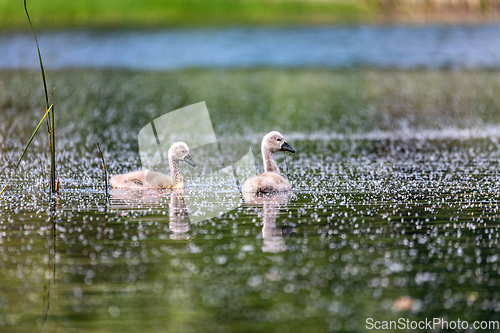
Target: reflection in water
179,223
51,262
126,196
179,219
272,236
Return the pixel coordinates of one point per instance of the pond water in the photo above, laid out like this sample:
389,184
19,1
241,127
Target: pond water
397,220
396,46
375,228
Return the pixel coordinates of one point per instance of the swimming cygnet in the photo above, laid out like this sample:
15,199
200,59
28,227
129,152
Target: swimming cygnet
270,181
179,151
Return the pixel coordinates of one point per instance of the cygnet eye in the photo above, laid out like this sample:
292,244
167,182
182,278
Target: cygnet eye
278,139
183,151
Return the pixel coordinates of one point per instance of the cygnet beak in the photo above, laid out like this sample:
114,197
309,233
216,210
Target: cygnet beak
286,147
190,161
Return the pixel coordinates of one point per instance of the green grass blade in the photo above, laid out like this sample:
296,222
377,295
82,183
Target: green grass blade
26,148
50,119
53,152
39,56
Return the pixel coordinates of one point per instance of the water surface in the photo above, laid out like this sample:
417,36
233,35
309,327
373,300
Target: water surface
399,220
394,46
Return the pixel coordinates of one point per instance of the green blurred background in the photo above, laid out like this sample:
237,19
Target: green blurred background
50,14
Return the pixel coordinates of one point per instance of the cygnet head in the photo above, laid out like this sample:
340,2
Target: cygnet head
179,151
274,141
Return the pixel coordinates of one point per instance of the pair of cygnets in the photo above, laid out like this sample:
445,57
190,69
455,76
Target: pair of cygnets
267,182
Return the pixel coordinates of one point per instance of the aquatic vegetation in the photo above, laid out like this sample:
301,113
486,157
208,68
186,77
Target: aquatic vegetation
49,115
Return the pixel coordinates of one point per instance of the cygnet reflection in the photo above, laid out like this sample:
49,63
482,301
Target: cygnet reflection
273,240
178,224
127,196
179,219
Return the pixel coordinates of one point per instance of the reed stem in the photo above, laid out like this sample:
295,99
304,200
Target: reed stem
105,171
51,116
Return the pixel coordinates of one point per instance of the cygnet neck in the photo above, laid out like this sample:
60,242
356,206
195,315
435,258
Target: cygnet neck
175,172
268,157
